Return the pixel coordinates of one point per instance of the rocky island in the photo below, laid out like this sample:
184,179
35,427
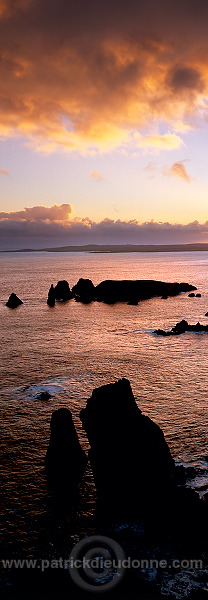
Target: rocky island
112,291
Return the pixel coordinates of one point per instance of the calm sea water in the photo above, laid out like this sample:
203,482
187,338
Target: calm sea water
73,348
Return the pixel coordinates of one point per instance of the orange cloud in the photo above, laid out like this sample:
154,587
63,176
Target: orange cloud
96,175
80,79
177,170
168,141
39,213
4,172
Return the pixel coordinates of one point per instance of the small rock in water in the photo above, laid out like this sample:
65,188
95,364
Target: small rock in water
84,291
198,295
192,295
206,314
51,296
182,327
44,396
62,291
13,301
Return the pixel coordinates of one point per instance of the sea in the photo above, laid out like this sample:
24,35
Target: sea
73,348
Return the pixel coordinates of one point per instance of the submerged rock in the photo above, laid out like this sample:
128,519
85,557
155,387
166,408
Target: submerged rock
13,301
182,327
51,296
62,291
65,460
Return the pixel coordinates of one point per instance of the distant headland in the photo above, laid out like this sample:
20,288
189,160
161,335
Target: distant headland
115,248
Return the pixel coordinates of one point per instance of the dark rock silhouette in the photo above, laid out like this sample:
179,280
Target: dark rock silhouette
129,291
198,295
44,396
112,291
206,314
84,291
13,301
62,291
51,296
129,456
135,474
191,295
65,460
182,327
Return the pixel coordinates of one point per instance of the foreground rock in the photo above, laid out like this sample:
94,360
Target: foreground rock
13,301
182,327
65,460
135,475
62,291
130,458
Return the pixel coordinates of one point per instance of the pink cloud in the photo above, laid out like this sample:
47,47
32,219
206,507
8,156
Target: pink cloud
177,170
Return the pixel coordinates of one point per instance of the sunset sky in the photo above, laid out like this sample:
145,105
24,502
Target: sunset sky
103,122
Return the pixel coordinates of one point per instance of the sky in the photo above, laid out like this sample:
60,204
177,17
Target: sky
103,122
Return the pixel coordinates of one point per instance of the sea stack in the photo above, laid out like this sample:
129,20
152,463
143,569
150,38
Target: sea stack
62,291
51,296
131,461
13,301
65,460
84,291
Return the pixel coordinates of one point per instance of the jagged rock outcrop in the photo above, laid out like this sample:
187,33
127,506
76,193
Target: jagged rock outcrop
62,291
13,301
132,291
131,461
182,327
65,460
84,291
134,472
51,296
